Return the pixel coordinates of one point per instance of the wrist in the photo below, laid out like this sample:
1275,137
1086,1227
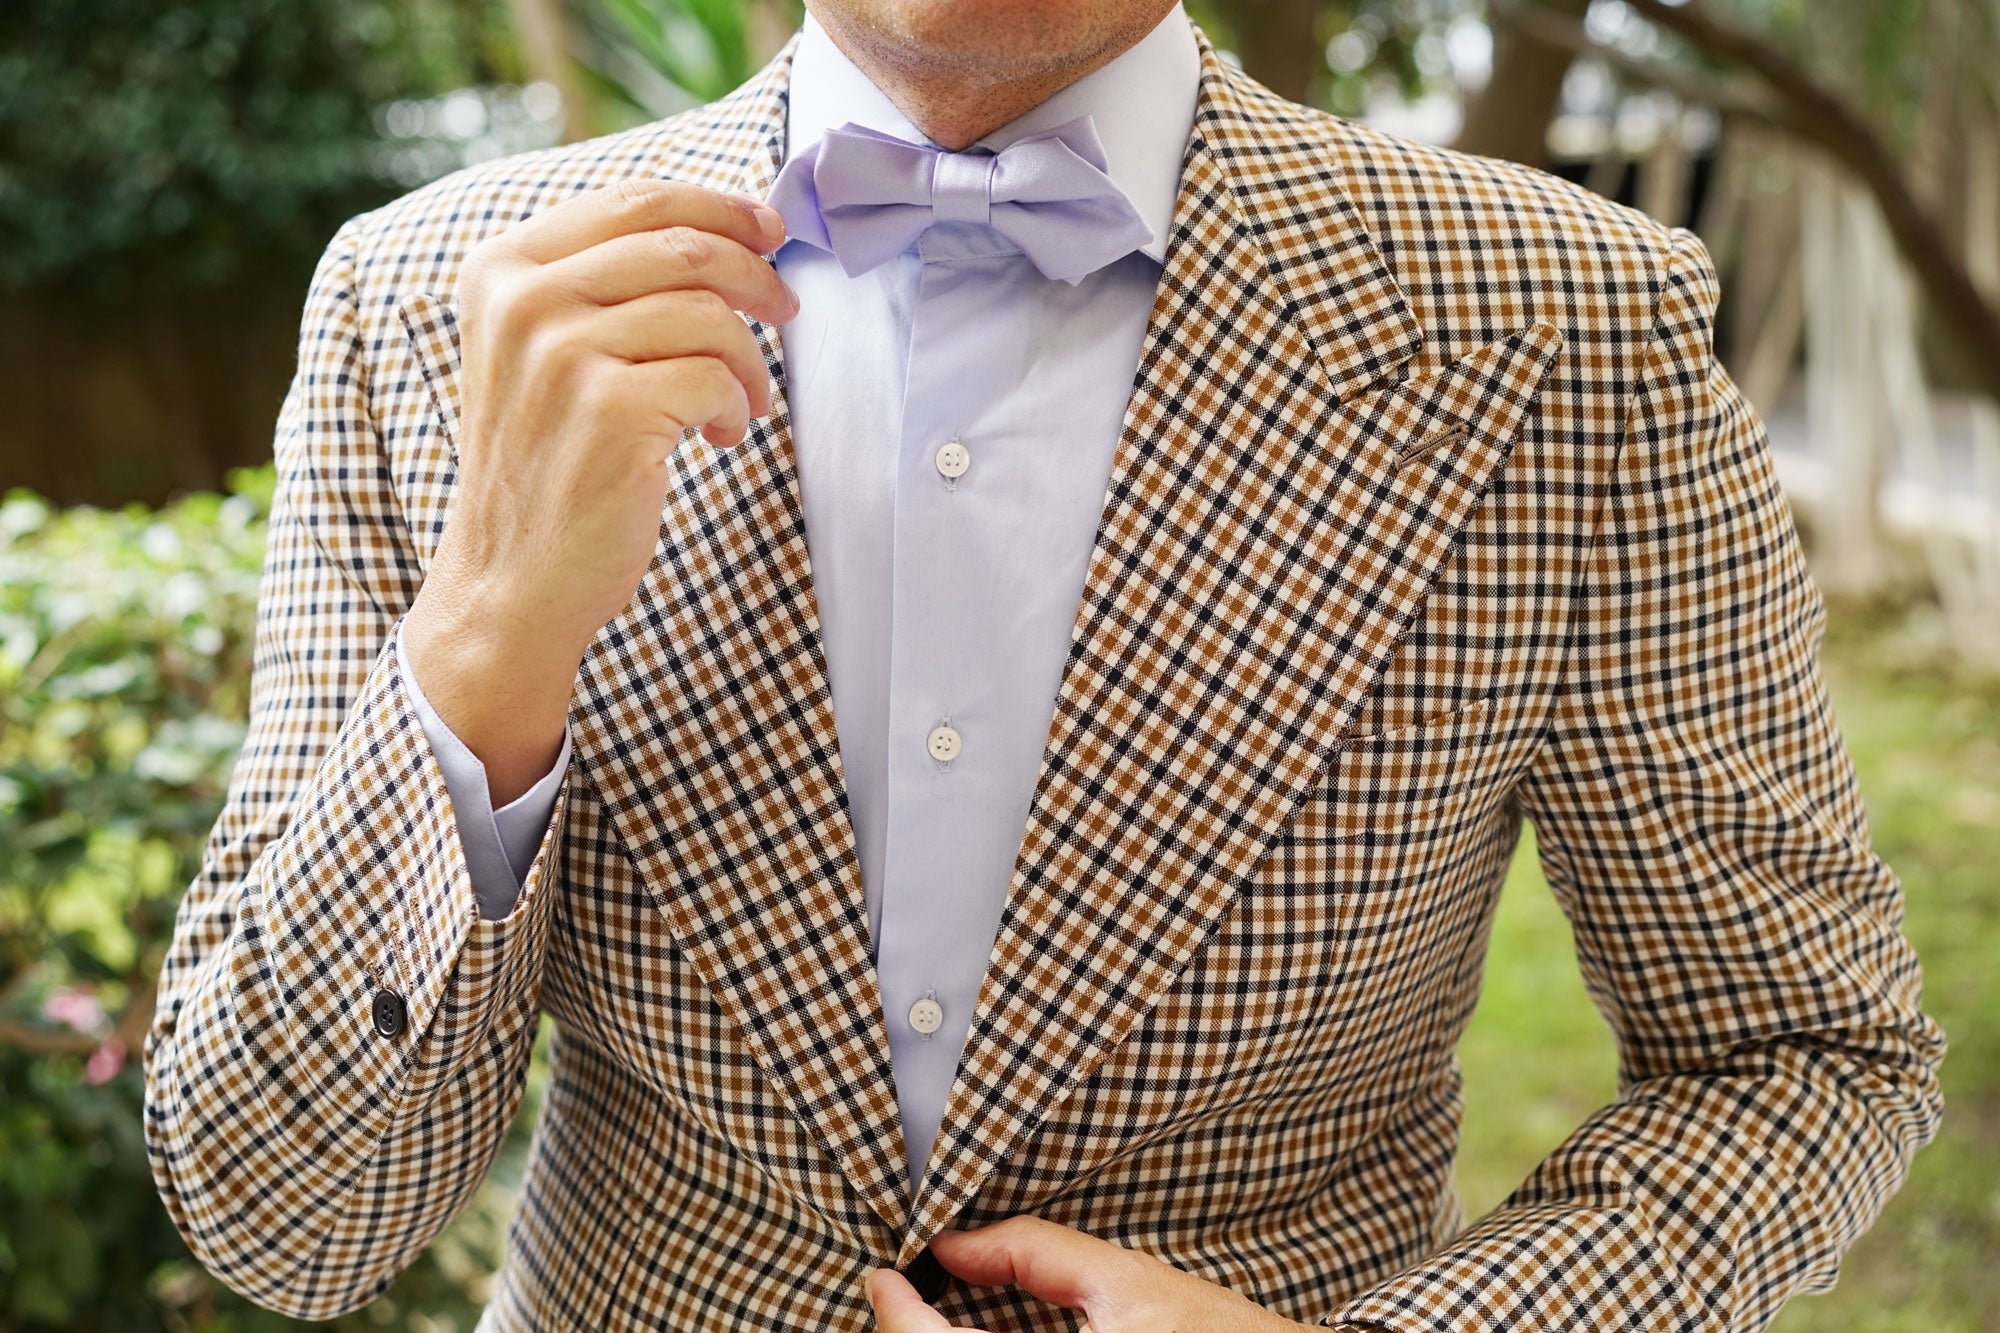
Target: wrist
502,688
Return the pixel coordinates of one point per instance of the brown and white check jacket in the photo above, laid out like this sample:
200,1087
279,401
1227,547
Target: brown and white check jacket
1431,512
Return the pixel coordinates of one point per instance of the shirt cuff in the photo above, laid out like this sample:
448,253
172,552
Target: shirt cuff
499,845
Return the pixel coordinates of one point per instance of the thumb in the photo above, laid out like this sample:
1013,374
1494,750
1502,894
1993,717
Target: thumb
1054,1263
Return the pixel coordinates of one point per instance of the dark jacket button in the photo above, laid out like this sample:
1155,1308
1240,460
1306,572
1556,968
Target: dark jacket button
927,1275
390,1013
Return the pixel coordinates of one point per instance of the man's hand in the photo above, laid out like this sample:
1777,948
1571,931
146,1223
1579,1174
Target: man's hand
590,336
1118,1290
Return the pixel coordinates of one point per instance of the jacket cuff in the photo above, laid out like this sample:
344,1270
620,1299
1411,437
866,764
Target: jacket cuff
368,895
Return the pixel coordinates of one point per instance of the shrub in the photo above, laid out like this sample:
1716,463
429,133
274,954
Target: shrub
176,142
124,664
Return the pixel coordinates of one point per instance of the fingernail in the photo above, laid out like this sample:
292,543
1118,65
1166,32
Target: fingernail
773,225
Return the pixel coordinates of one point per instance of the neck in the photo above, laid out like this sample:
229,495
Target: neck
957,102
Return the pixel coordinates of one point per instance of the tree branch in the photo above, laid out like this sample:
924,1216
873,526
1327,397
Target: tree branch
38,1040
1821,116
1556,29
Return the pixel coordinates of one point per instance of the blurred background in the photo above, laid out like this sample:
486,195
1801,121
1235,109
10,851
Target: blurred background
170,169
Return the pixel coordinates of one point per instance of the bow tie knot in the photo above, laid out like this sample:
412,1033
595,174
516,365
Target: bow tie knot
962,186
867,196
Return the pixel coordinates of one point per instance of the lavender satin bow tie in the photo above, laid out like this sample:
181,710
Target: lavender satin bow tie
866,196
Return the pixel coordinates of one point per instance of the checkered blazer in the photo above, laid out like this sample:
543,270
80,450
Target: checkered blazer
1431,511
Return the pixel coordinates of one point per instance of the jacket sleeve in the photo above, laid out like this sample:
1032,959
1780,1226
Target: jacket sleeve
1699,822
340,1039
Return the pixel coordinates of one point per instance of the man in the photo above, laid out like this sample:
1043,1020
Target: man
1213,527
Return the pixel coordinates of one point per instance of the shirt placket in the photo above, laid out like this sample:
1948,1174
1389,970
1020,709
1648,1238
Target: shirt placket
944,887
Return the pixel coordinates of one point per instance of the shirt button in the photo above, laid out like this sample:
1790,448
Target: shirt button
389,1013
953,459
944,744
927,1016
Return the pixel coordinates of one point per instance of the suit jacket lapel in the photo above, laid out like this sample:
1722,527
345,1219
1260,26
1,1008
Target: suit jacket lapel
705,721
1262,546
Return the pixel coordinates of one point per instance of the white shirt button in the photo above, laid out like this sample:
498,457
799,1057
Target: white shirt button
927,1016
953,459
944,744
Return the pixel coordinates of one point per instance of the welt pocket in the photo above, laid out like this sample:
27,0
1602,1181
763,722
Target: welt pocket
1386,781
1422,447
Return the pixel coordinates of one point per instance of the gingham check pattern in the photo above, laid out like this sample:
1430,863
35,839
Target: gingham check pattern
1431,511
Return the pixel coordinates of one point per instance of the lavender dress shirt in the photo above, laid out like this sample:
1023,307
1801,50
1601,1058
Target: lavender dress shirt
954,416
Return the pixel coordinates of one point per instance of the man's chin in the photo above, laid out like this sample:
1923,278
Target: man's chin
1021,37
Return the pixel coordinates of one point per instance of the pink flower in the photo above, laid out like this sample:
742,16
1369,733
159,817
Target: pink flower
104,1063
75,1007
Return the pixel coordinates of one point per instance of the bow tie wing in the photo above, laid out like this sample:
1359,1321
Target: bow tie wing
1052,197
874,195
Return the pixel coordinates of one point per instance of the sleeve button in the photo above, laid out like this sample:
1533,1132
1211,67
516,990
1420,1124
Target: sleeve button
391,1015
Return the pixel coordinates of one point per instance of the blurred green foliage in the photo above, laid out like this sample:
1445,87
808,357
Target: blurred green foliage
170,143
125,641
700,47
124,652
1372,45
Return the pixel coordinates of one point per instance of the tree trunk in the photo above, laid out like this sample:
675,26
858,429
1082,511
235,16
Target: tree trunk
542,29
1278,42
1510,116
1844,407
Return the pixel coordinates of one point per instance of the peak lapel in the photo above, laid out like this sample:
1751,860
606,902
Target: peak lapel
705,721
1259,554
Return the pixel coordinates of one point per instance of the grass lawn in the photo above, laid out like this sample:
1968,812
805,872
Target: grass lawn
1538,1059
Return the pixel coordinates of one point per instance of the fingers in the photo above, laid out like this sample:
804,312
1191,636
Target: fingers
666,397
898,1308
1053,1263
674,259
661,325
639,205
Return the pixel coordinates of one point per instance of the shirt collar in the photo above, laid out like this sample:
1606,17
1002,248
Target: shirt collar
1142,104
